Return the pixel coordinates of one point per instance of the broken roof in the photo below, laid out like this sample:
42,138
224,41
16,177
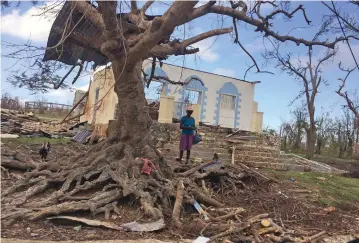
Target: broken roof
73,48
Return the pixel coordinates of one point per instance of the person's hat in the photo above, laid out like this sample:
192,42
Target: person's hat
189,108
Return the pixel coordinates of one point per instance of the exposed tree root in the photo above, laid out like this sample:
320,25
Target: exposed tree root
96,181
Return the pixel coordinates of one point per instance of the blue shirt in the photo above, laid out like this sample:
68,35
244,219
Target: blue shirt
188,122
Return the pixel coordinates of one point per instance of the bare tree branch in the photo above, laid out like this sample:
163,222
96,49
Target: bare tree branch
289,15
349,102
146,6
134,6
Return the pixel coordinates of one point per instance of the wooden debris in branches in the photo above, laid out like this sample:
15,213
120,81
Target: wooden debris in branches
206,199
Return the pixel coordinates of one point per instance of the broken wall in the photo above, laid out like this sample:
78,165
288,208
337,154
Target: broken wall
257,119
100,110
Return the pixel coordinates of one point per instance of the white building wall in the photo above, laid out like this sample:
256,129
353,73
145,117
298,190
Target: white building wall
213,83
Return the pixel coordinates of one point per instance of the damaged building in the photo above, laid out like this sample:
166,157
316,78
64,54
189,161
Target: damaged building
216,99
78,98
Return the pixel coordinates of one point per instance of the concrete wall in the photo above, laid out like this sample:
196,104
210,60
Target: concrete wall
104,110
257,119
78,95
214,86
209,107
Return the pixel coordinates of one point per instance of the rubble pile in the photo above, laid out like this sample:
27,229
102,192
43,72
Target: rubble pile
16,122
163,133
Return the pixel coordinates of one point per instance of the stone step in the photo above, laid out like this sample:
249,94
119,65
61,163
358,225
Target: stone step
277,166
199,147
261,159
258,153
258,148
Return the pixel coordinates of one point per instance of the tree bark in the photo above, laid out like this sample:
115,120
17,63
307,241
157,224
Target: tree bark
312,129
133,120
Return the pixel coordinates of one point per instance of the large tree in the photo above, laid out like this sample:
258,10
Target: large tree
309,74
126,39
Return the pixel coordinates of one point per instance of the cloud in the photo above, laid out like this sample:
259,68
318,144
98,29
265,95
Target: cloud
83,88
207,50
344,55
62,96
27,25
256,46
225,71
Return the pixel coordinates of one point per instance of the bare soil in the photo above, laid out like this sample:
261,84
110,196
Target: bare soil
288,207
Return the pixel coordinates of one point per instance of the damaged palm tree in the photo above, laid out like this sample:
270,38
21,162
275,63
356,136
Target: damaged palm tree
110,171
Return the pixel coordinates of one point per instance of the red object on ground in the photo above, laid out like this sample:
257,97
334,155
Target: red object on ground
148,166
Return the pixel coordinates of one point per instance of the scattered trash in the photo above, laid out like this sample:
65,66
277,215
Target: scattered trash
329,209
201,239
281,193
89,222
8,135
82,136
265,223
144,227
200,210
34,234
292,179
77,228
147,167
322,178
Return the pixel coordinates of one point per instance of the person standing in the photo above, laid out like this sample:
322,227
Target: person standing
187,136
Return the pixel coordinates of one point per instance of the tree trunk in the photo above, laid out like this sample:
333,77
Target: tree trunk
311,131
310,144
298,137
319,146
133,120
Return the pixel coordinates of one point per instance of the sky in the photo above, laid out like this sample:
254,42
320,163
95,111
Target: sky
217,54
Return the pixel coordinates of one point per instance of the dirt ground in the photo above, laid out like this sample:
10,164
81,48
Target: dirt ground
287,203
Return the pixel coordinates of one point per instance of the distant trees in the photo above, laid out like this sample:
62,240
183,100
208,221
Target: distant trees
10,102
333,136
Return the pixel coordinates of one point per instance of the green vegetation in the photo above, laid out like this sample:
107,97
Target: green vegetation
333,190
35,140
49,116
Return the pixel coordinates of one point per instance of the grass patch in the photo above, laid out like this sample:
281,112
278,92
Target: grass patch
335,190
35,140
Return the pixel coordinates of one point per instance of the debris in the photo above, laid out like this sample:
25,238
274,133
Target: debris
292,179
322,178
90,222
301,191
82,136
200,210
329,209
233,154
77,228
198,160
265,223
147,167
145,227
201,239
34,234
8,135
281,193
178,204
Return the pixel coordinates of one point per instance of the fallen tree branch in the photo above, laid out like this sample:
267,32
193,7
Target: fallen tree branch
74,106
178,205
